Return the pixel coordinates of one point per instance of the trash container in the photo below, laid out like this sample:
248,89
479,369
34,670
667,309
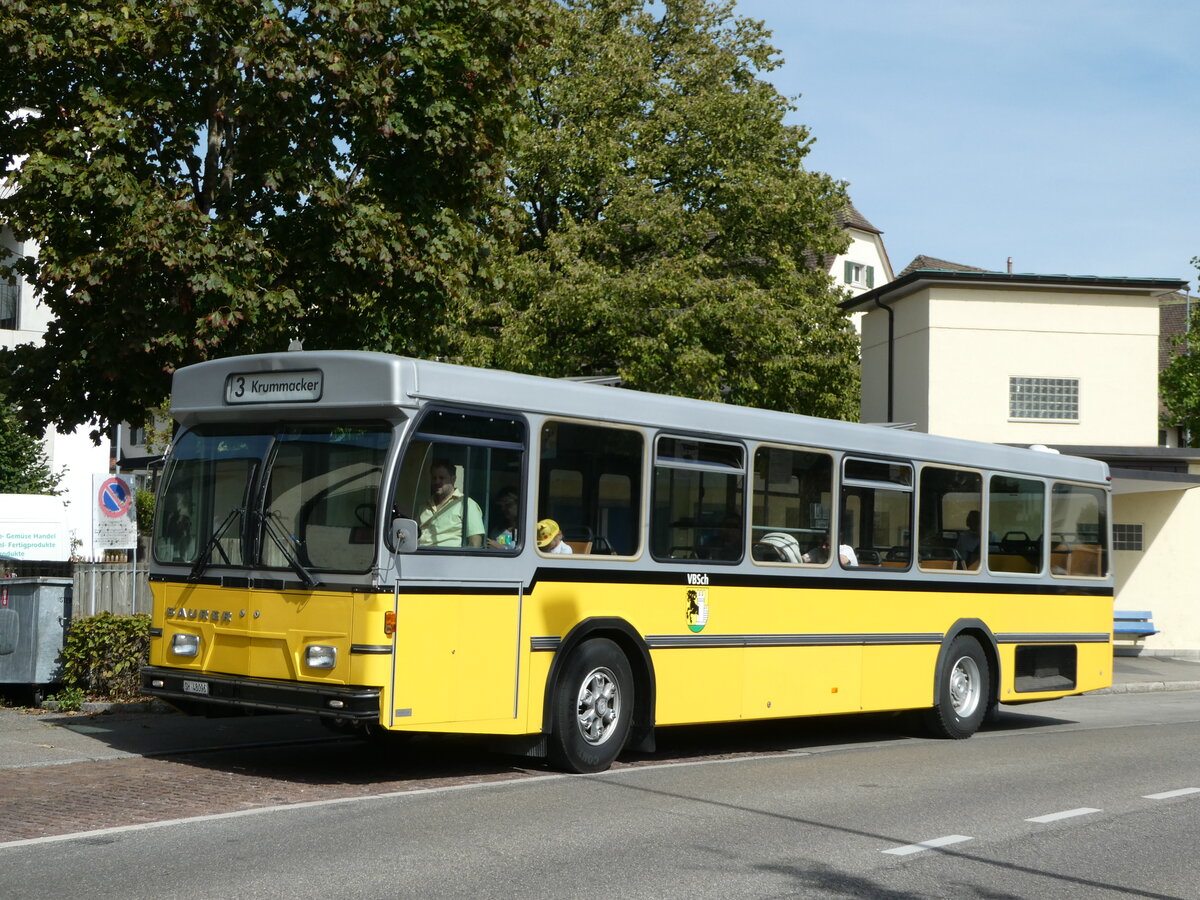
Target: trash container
34,615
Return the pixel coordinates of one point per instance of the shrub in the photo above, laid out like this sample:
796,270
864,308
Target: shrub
103,655
143,501
69,699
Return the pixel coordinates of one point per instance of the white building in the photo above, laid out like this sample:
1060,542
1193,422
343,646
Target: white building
1070,362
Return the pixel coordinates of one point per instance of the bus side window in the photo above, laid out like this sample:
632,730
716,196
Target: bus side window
1016,513
949,530
454,488
589,482
793,491
697,500
1078,515
877,510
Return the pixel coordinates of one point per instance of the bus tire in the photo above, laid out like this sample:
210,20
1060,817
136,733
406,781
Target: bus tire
592,708
962,699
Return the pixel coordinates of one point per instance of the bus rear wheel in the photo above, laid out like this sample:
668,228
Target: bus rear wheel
592,708
963,691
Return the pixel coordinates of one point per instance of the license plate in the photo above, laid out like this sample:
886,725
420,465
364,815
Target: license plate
195,687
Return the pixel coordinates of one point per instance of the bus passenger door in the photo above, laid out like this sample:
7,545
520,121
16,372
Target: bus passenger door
457,654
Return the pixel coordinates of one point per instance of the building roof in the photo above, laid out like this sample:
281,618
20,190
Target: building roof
930,262
922,278
850,217
1173,311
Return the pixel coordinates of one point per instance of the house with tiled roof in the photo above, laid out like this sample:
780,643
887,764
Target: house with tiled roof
865,263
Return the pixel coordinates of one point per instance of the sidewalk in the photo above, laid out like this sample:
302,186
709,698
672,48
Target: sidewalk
1138,674
150,729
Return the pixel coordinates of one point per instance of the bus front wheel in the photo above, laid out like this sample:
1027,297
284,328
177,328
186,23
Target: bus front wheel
593,707
963,690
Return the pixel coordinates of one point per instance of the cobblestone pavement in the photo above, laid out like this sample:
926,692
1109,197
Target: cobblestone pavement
56,800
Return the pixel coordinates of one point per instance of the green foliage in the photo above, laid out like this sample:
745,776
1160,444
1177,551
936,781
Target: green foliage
663,226
143,501
1179,382
24,466
69,699
210,177
103,655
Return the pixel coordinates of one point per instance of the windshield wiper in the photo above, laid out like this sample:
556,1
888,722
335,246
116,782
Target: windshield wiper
215,542
280,537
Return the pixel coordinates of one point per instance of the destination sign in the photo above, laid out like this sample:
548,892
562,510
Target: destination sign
275,387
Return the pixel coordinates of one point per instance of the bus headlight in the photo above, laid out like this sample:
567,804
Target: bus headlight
185,645
320,656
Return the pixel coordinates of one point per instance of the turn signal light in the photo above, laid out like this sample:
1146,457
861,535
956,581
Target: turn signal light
389,623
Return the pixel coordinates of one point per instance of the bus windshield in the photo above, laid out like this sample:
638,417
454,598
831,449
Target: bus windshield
302,498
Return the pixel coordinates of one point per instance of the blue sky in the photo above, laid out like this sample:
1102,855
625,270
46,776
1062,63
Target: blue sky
1062,133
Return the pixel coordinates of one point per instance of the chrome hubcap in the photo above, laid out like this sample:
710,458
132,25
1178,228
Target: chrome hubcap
965,689
599,705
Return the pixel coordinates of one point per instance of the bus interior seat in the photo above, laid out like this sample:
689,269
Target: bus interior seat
784,546
897,558
1011,562
1085,560
940,558
579,538
867,556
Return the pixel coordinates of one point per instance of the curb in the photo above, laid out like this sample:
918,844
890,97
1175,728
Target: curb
99,707
1145,687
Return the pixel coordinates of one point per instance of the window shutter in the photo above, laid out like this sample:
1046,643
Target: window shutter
870,276
849,272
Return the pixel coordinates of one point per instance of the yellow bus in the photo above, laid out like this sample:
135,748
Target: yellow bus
411,546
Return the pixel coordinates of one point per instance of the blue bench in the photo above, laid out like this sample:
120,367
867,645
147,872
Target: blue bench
1133,624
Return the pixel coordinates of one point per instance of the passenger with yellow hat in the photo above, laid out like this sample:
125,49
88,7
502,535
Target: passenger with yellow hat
550,539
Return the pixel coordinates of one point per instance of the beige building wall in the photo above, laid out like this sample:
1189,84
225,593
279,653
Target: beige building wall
911,365
957,347
1161,578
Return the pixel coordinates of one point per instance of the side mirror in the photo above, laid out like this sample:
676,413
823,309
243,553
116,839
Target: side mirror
404,535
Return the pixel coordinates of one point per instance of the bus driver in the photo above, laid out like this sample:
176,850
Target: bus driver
441,519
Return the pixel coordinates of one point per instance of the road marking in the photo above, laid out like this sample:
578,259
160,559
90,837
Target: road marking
1065,814
1167,795
266,810
932,844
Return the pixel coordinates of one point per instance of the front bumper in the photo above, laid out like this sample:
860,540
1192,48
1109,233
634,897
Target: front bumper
358,703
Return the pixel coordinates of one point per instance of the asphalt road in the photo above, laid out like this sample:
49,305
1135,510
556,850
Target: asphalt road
1090,797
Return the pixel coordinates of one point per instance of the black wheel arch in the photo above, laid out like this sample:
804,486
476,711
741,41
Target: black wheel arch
979,630
620,632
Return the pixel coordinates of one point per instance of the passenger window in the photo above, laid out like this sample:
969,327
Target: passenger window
1078,531
1016,517
876,513
697,501
457,475
949,527
590,485
793,504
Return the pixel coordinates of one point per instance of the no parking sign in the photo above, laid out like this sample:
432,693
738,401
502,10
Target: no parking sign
114,521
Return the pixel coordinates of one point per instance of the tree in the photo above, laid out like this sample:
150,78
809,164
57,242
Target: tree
1179,382
24,466
664,227
208,177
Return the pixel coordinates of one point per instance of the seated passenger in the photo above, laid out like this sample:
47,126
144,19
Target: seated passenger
441,519
968,541
503,535
820,553
550,539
